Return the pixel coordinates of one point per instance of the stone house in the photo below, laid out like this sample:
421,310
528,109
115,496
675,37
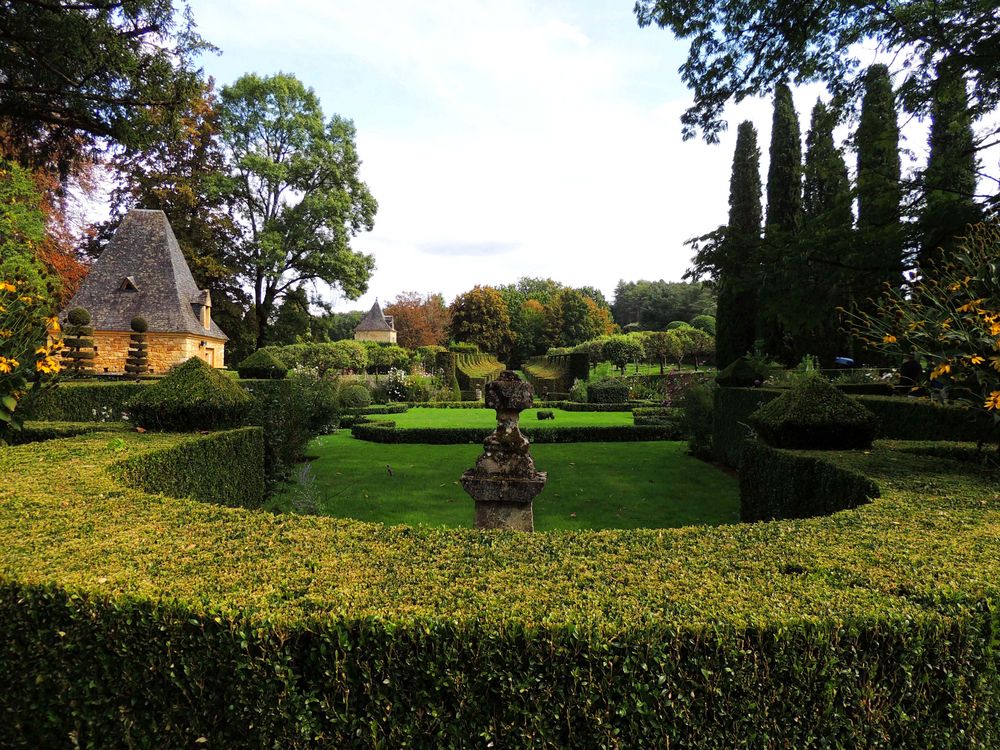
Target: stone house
376,327
142,272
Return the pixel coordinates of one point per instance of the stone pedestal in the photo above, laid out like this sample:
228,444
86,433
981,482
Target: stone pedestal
504,482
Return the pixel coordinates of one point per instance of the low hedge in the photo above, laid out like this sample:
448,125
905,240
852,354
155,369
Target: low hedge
133,620
36,432
381,433
222,467
379,409
899,418
86,402
663,415
578,406
777,483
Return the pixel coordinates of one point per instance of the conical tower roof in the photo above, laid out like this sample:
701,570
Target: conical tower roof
374,320
142,271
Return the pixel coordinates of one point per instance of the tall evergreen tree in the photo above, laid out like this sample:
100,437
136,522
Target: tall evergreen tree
878,253
950,177
739,259
783,219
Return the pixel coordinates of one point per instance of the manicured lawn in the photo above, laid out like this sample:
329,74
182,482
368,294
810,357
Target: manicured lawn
608,370
488,418
591,485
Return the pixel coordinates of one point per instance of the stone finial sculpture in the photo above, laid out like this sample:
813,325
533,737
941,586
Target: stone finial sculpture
504,482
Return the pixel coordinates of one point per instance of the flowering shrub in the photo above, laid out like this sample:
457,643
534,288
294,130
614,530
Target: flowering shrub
27,361
951,319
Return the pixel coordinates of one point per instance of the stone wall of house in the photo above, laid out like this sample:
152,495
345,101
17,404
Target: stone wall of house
165,350
384,337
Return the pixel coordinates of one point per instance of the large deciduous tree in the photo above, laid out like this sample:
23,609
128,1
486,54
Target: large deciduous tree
878,255
480,317
79,75
738,48
420,320
950,178
296,194
739,258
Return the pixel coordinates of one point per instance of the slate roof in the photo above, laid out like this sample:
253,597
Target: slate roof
143,272
375,320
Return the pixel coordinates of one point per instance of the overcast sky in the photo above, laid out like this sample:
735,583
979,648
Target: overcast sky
501,138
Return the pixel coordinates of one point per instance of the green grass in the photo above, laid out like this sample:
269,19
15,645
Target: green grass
590,486
608,370
488,418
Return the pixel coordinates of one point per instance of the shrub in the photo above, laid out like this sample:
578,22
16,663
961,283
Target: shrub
382,432
814,414
355,395
704,323
463,347
698,404
262,365
742,373
192,396
607,391
78,356
579,391
137,361
545,414
86,402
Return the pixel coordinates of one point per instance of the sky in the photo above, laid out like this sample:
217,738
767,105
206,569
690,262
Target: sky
501,138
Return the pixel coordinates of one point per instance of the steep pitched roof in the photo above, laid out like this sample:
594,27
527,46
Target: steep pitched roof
374,320
143,272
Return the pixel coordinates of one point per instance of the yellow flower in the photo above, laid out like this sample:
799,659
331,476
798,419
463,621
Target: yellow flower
888,339
6,286
942,369
26,299
975,359
6,333
970,306
992,401
995,363
7,365
53,324
48,365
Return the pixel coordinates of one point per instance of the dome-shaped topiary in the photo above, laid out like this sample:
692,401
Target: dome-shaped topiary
139,324
193,396
356,396
815,415
262,364
741,373
78,316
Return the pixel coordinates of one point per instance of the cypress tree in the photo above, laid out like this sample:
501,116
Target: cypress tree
878,253
950,177
784,217
738,270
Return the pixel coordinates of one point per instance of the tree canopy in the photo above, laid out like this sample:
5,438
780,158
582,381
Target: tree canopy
76,73
739,49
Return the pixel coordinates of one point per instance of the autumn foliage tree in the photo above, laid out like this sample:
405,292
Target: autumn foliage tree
480,317
420,320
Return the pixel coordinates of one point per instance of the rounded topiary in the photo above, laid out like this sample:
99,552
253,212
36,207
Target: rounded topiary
78,316
137,360
356,396
193,396
675,324
704,323
741,373
815,415
79,353
262,364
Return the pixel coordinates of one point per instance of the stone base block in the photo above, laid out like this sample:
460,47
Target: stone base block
513,516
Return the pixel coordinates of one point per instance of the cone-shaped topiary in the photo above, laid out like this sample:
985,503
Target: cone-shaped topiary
78,354
194,396
741,373
137,361
262,364
813,415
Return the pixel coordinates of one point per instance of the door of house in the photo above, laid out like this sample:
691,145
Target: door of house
210,356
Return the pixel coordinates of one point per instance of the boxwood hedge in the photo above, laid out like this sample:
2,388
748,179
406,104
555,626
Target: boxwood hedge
133,620
387,432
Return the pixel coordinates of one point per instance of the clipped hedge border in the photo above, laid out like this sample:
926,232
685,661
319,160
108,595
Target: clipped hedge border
381,432
36,432
222,467
133,620
900,418
777,483
85,402
377,409
580,406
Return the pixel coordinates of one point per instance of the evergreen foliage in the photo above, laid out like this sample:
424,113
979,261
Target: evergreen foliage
292,324
137,361
263,364
193,396
480,316
356,396
950,176
814,414
79,344
737,266
878,254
